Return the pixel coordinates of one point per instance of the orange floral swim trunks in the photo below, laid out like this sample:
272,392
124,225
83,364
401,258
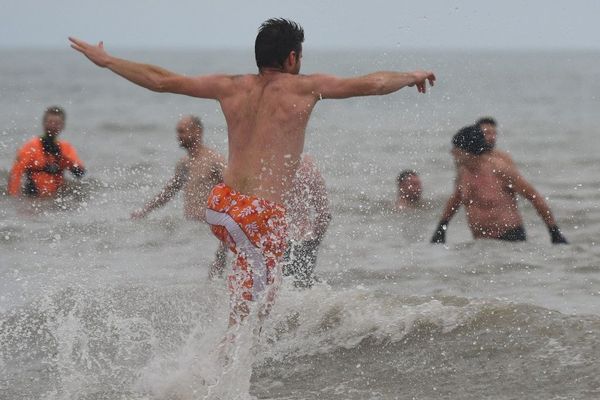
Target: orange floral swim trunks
255,230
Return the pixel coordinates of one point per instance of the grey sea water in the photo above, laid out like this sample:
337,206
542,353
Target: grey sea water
96,306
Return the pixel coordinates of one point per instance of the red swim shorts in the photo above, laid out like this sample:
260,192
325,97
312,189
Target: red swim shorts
255,230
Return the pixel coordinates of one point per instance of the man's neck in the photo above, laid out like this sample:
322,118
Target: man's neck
196,151
50,145
270,70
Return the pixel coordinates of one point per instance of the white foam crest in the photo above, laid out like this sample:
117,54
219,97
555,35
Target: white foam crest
323,319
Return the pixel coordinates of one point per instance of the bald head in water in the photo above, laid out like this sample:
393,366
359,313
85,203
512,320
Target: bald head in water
189,132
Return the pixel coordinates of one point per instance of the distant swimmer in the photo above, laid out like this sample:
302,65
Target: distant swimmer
44,159
308,216
196,173
488,185
267,114
409,190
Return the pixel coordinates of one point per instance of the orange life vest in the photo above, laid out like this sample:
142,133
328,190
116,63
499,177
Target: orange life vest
44,170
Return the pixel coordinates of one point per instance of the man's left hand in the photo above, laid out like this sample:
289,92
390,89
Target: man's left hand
556,235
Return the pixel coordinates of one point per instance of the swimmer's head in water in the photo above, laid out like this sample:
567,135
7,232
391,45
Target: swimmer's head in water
488,127
53,121
471,140
189,131
409,186
278,45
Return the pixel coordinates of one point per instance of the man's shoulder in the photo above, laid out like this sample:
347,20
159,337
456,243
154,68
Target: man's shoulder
241,78
498,152
183,163
499,164
298,82
33,144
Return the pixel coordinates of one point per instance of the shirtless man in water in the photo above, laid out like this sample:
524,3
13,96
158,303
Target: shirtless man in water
487,184
409,191
266,115
488,126
196,174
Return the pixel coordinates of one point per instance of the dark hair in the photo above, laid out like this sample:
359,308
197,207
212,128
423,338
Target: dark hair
55,110
486,120
471,140
405,174
197,122
276,38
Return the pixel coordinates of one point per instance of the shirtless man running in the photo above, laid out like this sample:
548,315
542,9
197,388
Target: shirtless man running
487,185
196,174
266,115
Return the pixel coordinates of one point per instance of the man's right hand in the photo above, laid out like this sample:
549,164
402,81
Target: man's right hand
556,235
95,54
439,236
421,78
138,214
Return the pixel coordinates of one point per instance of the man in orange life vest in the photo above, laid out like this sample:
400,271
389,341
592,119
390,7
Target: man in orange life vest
44,159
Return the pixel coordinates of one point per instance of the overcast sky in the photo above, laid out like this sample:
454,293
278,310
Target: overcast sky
427,24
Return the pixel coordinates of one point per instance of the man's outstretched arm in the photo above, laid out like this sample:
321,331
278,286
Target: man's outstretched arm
153,77
174,185
377,83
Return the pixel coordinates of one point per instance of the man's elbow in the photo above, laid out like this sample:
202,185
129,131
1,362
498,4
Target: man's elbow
165,84
160,85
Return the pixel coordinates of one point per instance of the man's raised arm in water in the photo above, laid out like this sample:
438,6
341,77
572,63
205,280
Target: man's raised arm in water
452,206
510,175
153,77
173,186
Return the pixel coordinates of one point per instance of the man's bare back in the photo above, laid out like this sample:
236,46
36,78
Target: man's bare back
266,116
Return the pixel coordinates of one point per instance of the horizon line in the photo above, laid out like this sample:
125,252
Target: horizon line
317,48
